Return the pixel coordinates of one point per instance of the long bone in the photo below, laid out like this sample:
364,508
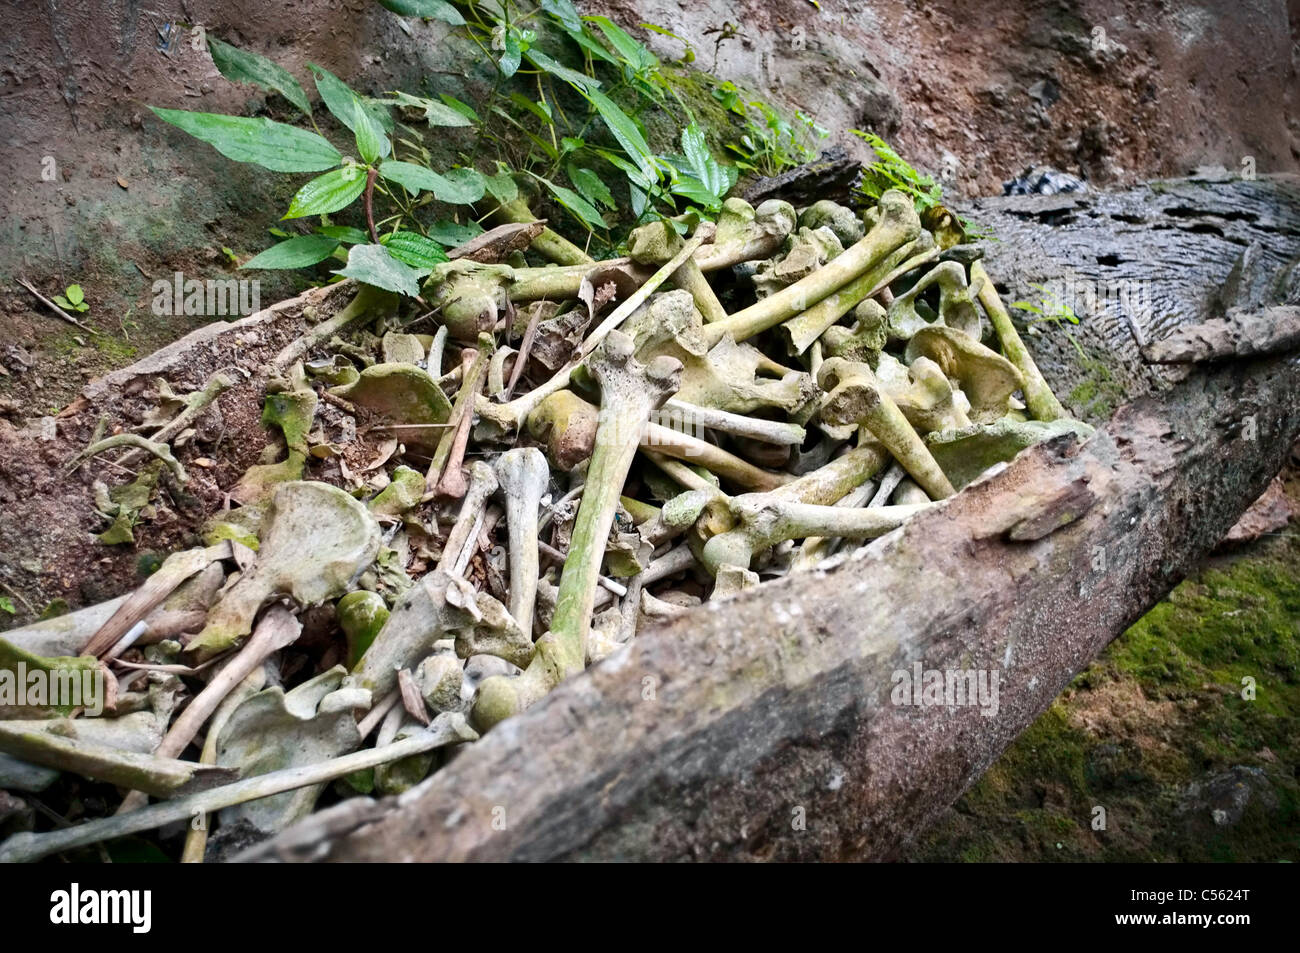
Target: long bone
657,243
629,392
856,396
510,416
567,425
276,630
801,331
522,475
898,226
771,521
1042,403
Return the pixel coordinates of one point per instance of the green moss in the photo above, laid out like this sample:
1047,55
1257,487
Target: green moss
1150,729
1098,394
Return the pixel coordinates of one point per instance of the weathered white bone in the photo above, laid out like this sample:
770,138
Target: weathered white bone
523,475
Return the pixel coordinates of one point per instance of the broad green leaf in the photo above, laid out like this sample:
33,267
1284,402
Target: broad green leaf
469,186
452,234
328,193
639,200
541,110
458,187
433,9
241,66
272,145
593,48
696,150
465,109
344,233
574,203
342,101
696,191
373,265
435,113
625,131
372,144
297,252
634,174
510,59
564,12
560,71
502,186
637,56
590,186
414,250
75,294
572,143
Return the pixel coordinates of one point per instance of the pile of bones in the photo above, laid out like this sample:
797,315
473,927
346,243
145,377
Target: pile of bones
572,451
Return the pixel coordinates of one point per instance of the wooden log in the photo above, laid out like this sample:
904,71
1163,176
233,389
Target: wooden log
1241,334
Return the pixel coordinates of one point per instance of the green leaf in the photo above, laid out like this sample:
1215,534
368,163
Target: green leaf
639,200
594,49
272,145
465,109
7,605
625,132
634,174
560,71
541,110
297,252
502,186
414,250
344,233
469,186
373,265
435,113
328,193
452,234
64,303
696,191
457,187
241,66
634,54
344,102
510,59
372,144
590,187
75,294
433,9
574,203
564,12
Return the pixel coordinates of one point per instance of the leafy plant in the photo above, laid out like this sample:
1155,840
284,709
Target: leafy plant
7,605
72,299
393,259
891,171
575,131
1052,309
770,143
